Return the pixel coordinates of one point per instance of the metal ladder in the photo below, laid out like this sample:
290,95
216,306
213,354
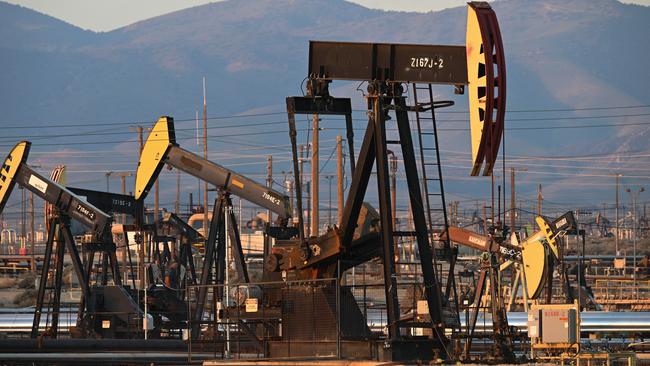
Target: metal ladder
48,300
434,191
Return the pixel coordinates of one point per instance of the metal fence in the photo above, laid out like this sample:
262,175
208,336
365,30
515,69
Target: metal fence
285,319
321,318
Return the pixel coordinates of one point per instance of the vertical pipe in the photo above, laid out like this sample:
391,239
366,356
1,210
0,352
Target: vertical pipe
339,177
315,224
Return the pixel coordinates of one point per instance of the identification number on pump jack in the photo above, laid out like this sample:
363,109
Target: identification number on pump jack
427,62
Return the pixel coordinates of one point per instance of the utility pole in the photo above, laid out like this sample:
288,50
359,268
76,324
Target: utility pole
329,205
499,207
289,183
339,176
122,176
485,220
304,186
269,181
31,229
198,146
23,217
513,200
315,222
492,205
138,130
513,197
618,252
177,206
205,156
156,204
108,174
539,200
140,246
634,196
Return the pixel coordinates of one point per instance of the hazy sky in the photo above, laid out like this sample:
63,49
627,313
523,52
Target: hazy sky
103,15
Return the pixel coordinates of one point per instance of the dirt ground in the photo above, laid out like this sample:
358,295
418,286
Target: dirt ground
17,291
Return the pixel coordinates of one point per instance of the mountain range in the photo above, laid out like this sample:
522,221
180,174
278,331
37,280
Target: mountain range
583,57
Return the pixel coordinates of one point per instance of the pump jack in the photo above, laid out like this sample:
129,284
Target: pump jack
160,149
67,206
386,67
161,299
536,261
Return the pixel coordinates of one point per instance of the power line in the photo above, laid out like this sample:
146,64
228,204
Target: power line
19,125
45,124
22,137
563,109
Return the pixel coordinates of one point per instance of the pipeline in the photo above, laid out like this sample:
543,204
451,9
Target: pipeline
591,321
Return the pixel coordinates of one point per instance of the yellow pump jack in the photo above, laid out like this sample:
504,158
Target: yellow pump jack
533,258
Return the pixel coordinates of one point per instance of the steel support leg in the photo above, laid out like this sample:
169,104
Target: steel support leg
42,284
350,138
383,190
359,184
58,276
235,241
480,287
427,261
76,262
291,115
210,248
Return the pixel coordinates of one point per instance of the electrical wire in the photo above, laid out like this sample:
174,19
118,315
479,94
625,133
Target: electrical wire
52,124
